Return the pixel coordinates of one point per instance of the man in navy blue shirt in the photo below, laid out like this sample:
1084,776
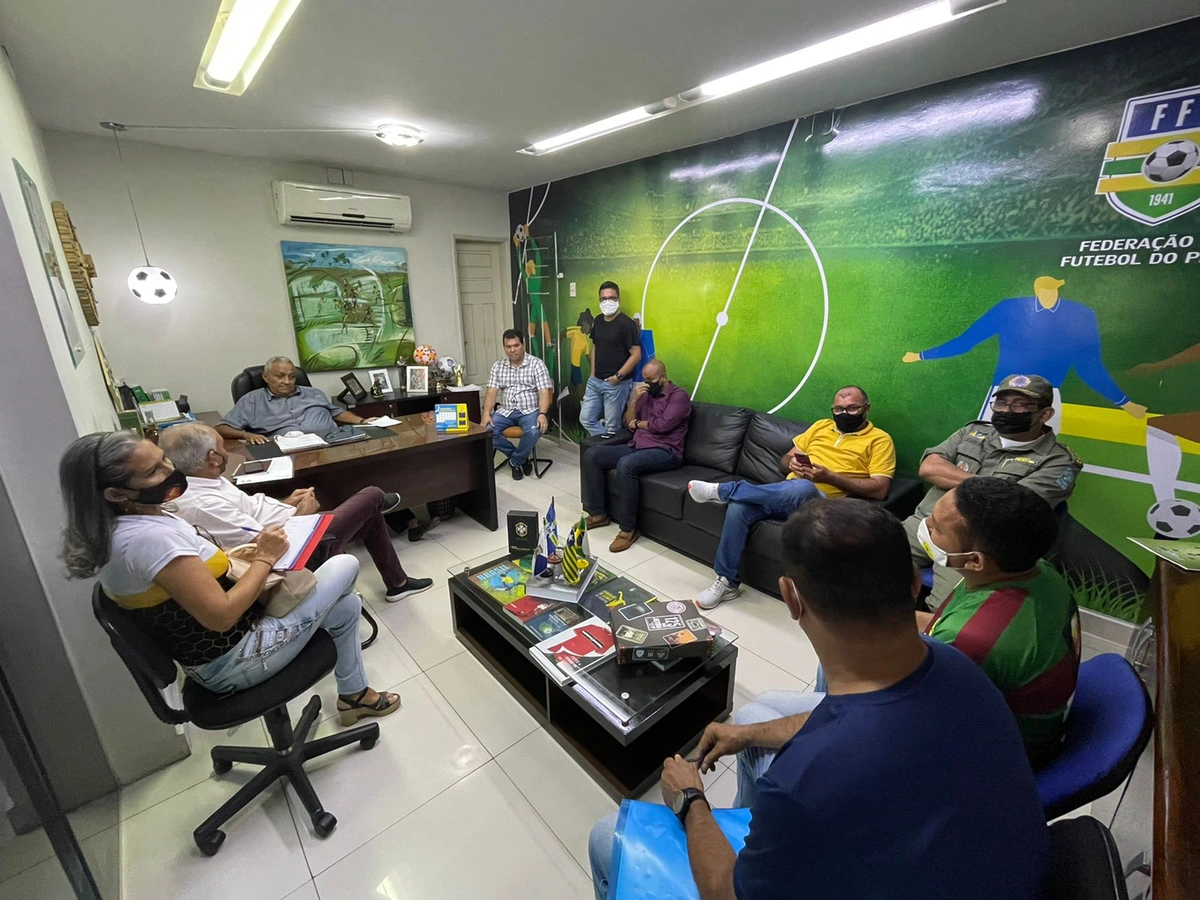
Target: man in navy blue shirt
846,805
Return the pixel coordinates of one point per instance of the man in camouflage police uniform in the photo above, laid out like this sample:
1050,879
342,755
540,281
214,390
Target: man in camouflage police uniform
1016,445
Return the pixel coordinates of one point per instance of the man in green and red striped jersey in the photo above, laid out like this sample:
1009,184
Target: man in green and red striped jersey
1012,613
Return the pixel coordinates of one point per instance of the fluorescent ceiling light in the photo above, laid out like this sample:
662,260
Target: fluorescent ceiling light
881,32
587,132
399,135
242,36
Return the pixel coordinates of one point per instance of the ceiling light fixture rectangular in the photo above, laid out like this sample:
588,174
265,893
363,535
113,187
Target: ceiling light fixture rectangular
242,36
587,132
876,34
882,32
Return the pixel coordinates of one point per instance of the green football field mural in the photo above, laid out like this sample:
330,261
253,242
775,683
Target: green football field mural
1040,218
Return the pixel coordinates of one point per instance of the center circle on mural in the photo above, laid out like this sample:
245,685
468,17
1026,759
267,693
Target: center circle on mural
723,317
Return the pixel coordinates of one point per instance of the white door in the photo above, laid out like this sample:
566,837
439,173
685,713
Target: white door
486,311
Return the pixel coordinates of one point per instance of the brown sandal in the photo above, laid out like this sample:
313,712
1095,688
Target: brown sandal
351,709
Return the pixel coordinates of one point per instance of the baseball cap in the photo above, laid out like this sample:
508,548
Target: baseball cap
1030,385
1047,283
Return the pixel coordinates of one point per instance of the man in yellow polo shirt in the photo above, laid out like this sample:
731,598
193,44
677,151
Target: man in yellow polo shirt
838,457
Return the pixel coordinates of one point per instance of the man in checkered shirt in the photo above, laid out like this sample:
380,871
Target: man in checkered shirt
528,391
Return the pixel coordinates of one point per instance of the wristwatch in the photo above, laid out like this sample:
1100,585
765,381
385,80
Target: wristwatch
684,800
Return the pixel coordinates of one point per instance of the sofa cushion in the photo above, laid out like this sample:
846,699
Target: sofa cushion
715,435
768,437
766,539
708,517
664,492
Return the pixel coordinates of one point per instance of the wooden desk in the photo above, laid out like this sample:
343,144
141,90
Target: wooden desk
416,461
397,404
1175,870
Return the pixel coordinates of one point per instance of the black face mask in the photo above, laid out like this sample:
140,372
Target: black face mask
1008,423
846,423
655,388
163,492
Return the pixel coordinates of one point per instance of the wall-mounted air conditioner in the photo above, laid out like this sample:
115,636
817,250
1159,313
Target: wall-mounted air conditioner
324,204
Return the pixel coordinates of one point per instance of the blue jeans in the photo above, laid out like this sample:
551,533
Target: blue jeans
630,465
604,402
750,503
751,762
264,651
519,454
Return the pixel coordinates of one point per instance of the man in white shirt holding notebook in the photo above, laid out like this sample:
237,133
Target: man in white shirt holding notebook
216,505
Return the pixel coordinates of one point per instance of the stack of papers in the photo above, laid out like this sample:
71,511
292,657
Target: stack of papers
384,422
162,411
303,534
293,442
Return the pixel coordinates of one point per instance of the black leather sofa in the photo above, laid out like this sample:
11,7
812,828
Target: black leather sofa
728,443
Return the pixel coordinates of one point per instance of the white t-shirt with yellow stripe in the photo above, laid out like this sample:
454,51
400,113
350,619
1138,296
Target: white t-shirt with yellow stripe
141,548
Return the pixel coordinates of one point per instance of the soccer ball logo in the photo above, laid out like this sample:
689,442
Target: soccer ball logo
424,355
151,284
1171,161
1174,518
447,365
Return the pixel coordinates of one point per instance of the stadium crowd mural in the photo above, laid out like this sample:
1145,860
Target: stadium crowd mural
1043,217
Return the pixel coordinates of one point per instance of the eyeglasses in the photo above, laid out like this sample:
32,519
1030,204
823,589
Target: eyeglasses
1002,404
852,410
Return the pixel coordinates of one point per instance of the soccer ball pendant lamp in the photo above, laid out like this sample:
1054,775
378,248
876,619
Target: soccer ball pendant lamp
148,283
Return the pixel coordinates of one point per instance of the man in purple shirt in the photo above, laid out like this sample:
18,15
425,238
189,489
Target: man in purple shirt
657,414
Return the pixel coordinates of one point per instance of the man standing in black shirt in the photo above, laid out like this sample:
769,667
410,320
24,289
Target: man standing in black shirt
615,355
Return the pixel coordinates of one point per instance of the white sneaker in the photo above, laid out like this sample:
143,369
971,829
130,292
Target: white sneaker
704,491
720,591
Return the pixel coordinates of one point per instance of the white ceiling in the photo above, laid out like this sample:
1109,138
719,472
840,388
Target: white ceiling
484,78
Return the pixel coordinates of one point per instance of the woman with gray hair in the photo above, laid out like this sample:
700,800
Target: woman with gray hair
174,580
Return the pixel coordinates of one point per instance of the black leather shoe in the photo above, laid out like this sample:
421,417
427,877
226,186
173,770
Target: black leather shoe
527,467
416,532
517,474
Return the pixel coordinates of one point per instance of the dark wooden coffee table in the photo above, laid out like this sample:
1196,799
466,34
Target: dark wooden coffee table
619,722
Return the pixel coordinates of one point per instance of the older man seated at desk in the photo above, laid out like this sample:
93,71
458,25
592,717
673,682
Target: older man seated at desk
214,504
283,406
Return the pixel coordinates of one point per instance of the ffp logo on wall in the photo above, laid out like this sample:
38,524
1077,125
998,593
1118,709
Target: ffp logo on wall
1151,173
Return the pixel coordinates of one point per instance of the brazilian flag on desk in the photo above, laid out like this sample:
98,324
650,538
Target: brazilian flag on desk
575,555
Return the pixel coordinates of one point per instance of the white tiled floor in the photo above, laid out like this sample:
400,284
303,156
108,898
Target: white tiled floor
465,795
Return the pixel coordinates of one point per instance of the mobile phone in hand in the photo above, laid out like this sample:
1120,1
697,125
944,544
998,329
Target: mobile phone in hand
803,459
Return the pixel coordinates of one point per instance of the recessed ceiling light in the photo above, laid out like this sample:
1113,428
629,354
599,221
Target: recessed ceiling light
399,135
242,36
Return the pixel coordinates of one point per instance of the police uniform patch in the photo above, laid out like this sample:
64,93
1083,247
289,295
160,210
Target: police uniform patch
962,464
1066,479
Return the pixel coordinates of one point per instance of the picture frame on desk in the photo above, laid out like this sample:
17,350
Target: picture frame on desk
354,389
381,375
417,379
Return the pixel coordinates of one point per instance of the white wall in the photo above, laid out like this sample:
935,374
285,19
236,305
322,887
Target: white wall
208,219
45,403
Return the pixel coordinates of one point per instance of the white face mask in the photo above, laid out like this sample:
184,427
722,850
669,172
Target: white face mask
609,307
939,556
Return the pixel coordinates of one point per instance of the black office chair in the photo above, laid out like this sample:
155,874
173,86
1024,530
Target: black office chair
250,378
1084,862
153,670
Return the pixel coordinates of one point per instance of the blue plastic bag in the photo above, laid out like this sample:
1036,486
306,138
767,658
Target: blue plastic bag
650,860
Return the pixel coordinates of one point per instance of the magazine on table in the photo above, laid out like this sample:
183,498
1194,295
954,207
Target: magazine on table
575,650
503,582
